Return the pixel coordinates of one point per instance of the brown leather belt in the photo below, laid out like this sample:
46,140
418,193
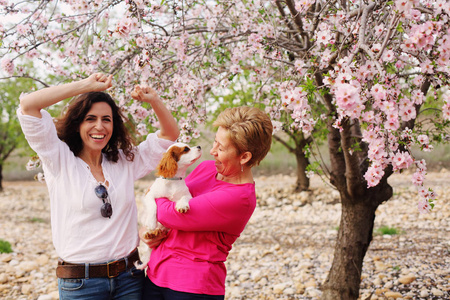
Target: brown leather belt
111,269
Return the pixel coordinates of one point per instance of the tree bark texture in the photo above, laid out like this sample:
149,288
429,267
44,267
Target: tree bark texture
303,182
353,240
359,204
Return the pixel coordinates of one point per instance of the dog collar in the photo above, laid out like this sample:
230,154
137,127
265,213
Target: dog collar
173,178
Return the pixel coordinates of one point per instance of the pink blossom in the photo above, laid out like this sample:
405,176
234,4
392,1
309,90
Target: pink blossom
418,80
427,67
368,116
373,175
8,66
140,42
235,69
71,51
378,92
377,150
23,29
424,206
403,5
401,160
142,129
254,38
388,106
392,123
423,139
186,139
369,135
407,112
33,164
417,97
414,14
376,48
379,29
347,97
299,64
303,5
418,178
388,56
32,53
123,28
140,113
324,37
399,64
421,165
40,177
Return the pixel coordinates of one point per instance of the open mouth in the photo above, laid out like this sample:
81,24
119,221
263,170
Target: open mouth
97,136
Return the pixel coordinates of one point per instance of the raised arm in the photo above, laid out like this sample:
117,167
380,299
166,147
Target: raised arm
32,103
169,128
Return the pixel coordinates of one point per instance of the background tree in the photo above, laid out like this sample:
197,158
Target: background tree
366,69
11,137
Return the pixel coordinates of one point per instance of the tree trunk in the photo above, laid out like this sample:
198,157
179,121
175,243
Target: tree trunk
302,183
353,240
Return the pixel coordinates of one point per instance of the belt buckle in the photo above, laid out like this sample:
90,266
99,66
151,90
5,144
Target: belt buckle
115,268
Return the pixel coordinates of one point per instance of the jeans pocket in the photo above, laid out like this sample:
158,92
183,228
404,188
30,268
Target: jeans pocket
136,273
71,284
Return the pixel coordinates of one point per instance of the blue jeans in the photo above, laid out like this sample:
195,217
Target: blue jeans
154,292
127,286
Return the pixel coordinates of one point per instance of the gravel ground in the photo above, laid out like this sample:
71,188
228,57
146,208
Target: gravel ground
285,251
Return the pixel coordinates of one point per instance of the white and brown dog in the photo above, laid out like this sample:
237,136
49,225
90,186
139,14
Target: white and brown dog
172,170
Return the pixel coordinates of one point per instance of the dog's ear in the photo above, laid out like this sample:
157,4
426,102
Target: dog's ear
168,166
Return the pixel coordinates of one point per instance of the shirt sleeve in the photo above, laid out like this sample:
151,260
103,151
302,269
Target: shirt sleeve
226,210
149,153
42,137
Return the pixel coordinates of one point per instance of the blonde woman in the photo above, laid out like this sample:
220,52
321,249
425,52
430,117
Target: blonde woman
189,262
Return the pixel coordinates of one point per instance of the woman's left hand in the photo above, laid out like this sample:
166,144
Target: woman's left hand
144,93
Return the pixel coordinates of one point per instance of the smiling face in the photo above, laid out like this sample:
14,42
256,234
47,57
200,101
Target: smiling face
97,127
228,162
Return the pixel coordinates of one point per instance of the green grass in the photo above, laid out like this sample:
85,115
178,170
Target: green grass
5,246
36,220
386,230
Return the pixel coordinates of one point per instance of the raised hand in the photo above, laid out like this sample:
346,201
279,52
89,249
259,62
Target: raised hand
144,93
99,82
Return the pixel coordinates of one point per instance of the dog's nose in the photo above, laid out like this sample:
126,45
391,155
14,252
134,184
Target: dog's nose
199,148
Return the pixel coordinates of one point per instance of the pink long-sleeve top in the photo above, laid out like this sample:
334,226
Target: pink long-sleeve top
191,258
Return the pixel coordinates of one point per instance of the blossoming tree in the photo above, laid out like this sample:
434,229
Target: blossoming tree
368,70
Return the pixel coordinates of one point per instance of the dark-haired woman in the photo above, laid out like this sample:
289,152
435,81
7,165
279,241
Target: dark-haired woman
90,165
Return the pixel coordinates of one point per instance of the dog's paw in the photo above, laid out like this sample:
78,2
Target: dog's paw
182,207
140,265
151,234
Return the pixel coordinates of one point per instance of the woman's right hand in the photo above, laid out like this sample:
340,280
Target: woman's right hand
154,242
99,82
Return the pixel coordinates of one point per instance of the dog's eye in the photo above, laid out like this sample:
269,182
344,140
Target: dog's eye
186,149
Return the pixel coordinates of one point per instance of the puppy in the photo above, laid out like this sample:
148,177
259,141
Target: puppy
172,170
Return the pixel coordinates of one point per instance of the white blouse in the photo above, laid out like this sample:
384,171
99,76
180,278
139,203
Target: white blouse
80,233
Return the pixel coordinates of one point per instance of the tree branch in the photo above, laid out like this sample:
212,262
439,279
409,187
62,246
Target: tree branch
284,143
353,173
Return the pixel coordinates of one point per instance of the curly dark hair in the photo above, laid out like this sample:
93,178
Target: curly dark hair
68,124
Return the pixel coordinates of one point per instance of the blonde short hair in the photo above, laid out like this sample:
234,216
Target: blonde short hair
250,129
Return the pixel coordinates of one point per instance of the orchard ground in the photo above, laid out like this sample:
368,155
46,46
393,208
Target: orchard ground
285,251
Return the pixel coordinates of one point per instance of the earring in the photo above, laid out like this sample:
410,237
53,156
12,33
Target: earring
242,168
